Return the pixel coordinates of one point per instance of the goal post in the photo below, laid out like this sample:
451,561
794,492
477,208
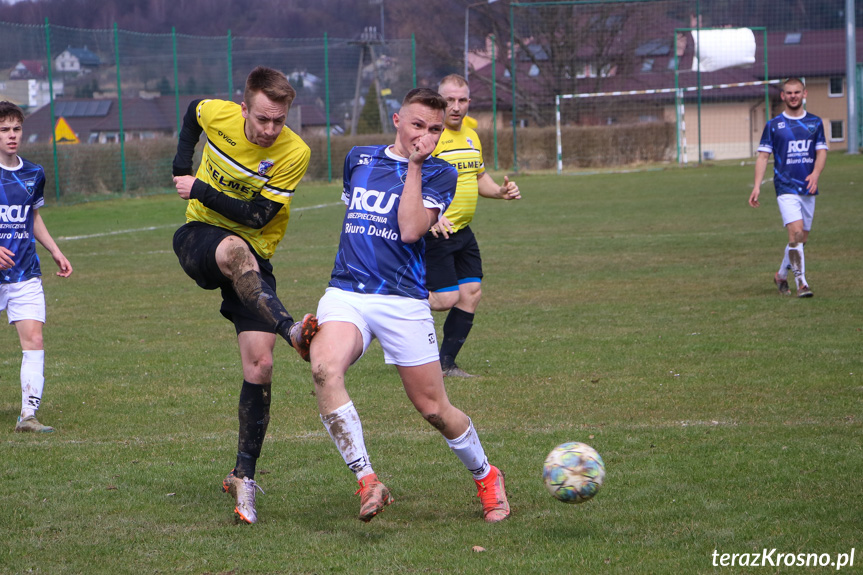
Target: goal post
722,107
680,109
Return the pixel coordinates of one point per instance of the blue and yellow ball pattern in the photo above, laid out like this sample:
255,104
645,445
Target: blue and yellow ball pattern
573,472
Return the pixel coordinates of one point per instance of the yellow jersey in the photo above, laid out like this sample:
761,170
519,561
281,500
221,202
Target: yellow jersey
463,150
241,169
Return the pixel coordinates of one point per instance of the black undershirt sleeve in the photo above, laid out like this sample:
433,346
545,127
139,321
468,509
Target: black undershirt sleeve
186,142
255,213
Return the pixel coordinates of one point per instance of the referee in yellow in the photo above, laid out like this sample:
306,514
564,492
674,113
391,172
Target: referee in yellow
453,262
239,205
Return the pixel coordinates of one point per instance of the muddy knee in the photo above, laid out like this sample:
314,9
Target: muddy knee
263,368
237,258
435,420
320,375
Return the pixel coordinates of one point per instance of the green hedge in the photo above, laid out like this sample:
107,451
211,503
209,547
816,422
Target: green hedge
96,169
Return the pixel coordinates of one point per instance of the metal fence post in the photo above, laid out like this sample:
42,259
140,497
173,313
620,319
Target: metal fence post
51,101
230,69
512,79
176,77
327,107
122,135
494,100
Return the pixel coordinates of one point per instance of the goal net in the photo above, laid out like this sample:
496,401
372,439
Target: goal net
711,95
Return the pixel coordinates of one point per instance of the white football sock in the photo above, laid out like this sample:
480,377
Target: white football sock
346,431
798,263
32,381
786,264
470,452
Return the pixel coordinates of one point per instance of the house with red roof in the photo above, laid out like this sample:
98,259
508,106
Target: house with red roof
723,121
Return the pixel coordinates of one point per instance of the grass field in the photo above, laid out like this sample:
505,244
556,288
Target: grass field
635,312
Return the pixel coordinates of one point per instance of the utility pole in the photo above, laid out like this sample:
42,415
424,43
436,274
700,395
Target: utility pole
367,41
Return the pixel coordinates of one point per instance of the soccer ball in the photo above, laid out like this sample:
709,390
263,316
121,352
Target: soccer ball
573,472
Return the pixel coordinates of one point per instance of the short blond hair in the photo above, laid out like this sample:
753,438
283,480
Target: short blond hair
456,79
793,80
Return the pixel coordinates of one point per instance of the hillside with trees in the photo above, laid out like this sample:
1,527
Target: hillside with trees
439,45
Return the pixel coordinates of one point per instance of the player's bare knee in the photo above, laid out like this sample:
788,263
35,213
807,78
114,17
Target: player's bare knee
262,367
473,298
32,341
321,373
442,301
238,258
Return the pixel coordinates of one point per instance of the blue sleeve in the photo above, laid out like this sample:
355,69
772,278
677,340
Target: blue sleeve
346,178
39,191
440,188
820,139
766,139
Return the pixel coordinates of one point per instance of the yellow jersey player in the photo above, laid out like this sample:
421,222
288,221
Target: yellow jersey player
239,205
453,263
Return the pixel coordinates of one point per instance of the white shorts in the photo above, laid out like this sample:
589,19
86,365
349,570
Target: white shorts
23,300
403,325
794,208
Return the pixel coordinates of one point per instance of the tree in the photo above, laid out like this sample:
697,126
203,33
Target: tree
369,121
164,86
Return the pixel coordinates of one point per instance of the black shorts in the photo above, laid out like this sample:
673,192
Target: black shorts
195,244
453,261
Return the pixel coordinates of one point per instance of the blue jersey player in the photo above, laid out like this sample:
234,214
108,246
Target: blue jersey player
22,185
394,194
796,140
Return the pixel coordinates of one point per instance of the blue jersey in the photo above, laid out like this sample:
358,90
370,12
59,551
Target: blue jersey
793,143
21,194
372,258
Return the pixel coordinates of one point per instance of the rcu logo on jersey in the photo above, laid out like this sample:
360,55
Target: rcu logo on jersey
372,201
14,214
799,146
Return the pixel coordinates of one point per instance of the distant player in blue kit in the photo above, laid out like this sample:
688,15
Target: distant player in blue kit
394,194
22,186
796,140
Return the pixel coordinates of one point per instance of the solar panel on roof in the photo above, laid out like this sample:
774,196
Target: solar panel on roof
82,108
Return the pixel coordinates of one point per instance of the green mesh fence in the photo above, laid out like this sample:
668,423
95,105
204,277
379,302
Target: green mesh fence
619,78
616,76
119,96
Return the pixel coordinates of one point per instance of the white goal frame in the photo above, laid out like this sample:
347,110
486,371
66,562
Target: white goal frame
679,92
